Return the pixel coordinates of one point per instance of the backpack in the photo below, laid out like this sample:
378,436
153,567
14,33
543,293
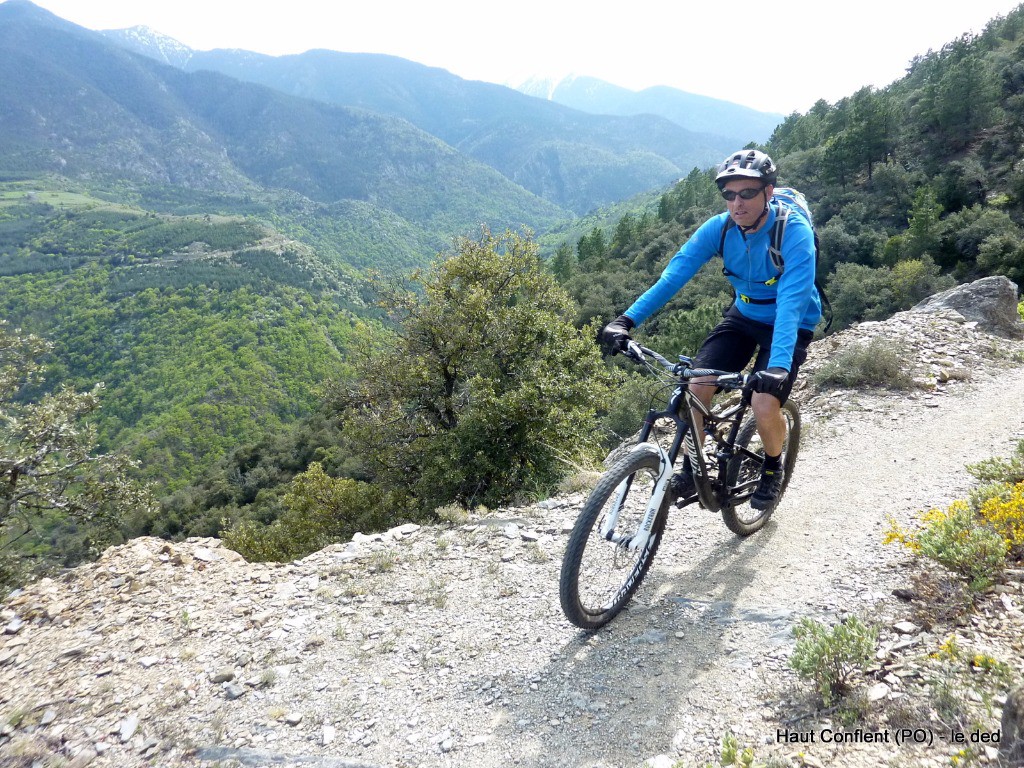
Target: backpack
795,201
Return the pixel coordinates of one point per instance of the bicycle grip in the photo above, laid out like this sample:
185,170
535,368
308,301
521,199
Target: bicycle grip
633,351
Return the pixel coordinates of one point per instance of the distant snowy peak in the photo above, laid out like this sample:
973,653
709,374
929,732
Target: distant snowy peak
151,43
544,86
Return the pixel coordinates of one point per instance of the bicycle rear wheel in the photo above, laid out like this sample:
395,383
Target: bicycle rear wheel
744,471
599,574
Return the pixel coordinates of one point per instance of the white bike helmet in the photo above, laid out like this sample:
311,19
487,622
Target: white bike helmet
746,164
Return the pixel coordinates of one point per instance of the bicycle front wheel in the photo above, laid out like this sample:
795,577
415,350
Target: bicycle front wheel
744,472
600,572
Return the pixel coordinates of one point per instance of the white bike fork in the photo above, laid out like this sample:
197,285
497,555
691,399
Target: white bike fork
638,539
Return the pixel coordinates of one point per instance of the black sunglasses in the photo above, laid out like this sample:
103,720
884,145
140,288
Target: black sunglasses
747,194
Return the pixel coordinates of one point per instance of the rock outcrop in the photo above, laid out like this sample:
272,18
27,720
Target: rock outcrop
991,302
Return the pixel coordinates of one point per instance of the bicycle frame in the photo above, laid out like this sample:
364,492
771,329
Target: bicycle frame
682,408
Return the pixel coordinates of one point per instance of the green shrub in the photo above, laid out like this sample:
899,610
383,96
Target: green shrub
1009,471
859,292
685,330
956,539
627,406
319,510
735,755
486,393
977,497
878,363
831,658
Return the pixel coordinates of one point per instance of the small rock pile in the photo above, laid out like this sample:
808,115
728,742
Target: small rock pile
940,347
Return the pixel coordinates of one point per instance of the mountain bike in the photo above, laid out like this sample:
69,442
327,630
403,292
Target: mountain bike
617,533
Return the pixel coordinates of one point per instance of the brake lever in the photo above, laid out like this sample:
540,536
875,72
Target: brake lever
633,351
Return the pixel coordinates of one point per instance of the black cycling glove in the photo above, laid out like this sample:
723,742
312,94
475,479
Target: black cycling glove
771,382
615,335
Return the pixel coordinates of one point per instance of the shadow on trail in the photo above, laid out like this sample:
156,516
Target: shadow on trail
619,693
706,608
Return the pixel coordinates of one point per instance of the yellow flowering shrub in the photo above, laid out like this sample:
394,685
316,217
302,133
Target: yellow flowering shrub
897,534
949,650
958,540
1006,516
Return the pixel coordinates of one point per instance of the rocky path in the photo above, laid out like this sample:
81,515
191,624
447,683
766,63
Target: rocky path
446,646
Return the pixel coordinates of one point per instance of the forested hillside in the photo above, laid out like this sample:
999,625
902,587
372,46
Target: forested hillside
913,187
206,330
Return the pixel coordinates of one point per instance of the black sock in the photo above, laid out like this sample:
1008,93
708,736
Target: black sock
771,463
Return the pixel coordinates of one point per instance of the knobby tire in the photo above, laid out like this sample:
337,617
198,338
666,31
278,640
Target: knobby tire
599,577
741,518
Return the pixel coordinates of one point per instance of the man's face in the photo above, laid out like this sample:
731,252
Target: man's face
746,212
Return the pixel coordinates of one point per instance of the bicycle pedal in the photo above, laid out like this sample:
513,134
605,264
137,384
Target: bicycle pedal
684,501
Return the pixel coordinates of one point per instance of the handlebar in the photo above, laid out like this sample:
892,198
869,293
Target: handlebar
683,369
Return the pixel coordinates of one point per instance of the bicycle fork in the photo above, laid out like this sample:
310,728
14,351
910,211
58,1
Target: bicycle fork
638,539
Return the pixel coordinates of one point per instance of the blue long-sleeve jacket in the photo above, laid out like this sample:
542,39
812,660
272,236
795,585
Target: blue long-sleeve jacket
748,265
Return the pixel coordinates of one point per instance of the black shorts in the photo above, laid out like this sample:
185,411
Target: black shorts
731,345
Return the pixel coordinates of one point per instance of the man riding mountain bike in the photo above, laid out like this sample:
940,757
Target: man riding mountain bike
776,310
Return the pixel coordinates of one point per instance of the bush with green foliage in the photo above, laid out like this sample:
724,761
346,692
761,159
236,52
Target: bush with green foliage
683,331
50,474
832,658
733,754
999,501
956,539
628,405
859,292
878,363
486,392
319,510
971,539
1008,471
1005,514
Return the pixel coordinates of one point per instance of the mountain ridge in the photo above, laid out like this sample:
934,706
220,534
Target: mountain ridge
702,114
490,122
128,119
545,147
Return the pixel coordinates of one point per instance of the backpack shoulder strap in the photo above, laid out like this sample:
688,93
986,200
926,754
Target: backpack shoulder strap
776,235
775,250
729,224
774,242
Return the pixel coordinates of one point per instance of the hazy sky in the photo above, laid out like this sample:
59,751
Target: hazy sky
773,56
